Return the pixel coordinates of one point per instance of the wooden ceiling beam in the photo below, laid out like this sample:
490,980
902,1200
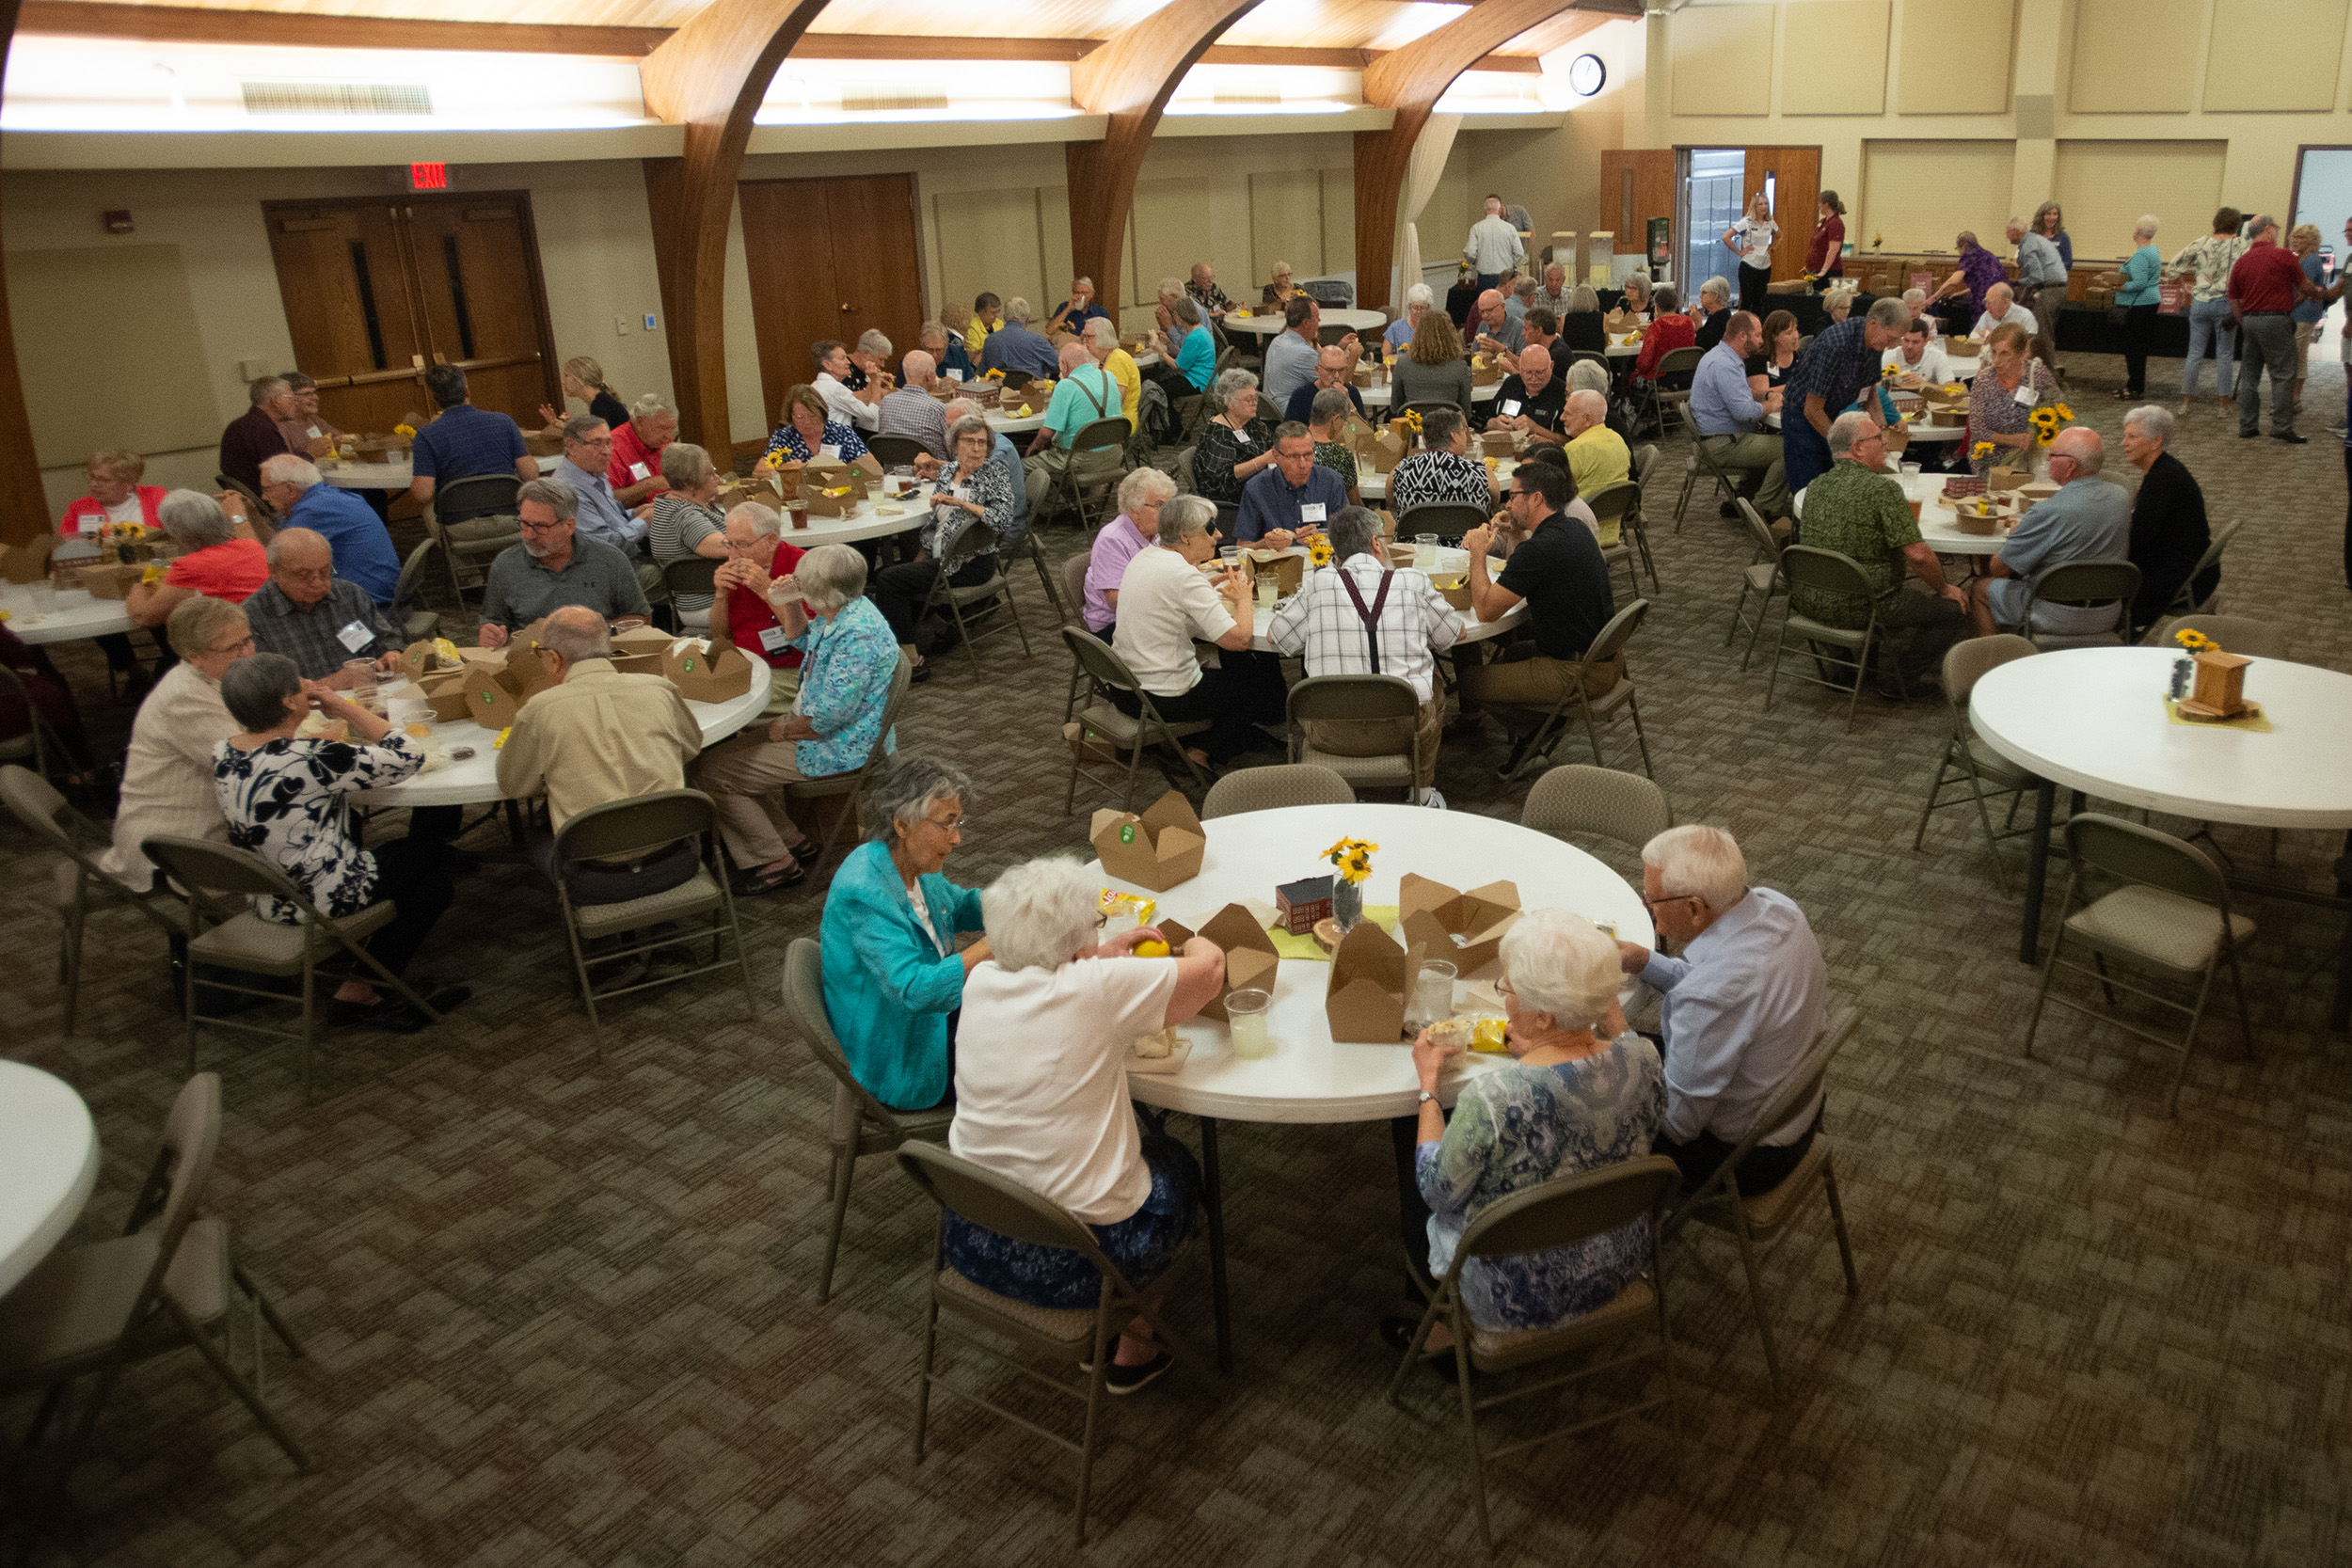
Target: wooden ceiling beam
1130,79
1409,81
708,77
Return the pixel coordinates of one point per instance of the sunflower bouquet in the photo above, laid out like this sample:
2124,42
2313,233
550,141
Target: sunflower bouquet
1413,420
2048,420
405,432
1319,550
1353,856
2196,642
1982,448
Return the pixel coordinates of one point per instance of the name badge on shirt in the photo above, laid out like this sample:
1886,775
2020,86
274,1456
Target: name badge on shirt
773,640
356,636
1510,406
955,376
314,433
831,449
2026,396
1310,513
638,470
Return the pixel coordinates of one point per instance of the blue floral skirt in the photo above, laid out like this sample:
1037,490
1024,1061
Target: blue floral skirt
1143,1244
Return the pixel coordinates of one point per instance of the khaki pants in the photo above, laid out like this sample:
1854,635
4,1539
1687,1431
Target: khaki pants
744,778
1522,693
1760,454
2044,302
1372,737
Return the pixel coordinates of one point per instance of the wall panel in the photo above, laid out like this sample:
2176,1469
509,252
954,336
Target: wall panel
109,306
1833,57
2274,54
2106,186
1955,58
1285,222
1723,59
991,245
2136,56
1919,193
1171,218
1338,220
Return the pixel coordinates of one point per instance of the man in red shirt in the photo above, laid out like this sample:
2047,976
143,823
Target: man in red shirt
2265,287
635,471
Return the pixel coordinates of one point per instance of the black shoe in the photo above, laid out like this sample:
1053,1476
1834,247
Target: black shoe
2247,435
922,674
754,884
1727,510
1127,1380
2291,439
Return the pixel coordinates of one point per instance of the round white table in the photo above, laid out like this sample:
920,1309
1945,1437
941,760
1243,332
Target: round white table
875,517
1378,397
1939,525
1010,422
2093,720
1266,322
474,781
48,1164
394,475
74,615
1310,1077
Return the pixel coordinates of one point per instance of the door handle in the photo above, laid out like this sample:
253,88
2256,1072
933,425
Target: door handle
847,307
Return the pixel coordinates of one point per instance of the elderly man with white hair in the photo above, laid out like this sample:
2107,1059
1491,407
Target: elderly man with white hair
1859,511
1493,247
1014,347
2040,284
1596,455
1085,394
912,410
1072,314
1554,296
857,406
298,492
950,358
319,619
634,469
2089,519
1742,1005
1041,1076
2000,308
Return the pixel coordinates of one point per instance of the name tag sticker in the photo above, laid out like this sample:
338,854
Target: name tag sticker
1310,513
773,640
356,636
2025,398
831,449
955,376
1510,406
638,470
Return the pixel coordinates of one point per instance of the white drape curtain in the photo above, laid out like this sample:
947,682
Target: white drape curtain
1420,182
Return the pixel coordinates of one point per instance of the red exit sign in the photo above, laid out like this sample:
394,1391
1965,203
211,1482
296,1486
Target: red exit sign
428,177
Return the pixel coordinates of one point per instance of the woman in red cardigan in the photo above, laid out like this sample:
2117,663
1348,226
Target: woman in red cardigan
1824,258
116,496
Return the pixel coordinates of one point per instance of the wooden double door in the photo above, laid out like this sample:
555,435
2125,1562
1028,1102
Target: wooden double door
828,259
1793,176
378,291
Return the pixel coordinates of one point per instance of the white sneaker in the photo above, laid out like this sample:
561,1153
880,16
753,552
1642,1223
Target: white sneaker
1431,797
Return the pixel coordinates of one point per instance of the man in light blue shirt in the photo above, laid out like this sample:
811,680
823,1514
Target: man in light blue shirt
1014,347
1731,418
587,452
2089,519
1290,360
1742,1005
363,550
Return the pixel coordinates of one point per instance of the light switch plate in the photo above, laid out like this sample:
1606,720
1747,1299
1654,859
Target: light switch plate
620,326
649,322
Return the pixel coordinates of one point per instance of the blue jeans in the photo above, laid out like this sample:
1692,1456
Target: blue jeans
2209,320
1804,452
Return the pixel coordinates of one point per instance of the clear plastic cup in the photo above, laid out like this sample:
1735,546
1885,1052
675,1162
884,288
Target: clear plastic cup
44,595
1230,554
1245,1010
1433,995
1424,550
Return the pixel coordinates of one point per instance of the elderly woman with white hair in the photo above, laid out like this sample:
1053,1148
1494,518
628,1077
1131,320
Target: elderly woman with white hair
1235,443
1715,307
850,660
892,933
2169,532
1581,1091
974,491
687,521
2137,299
1041,1079
1186,347
1137,527
214,559
1418,300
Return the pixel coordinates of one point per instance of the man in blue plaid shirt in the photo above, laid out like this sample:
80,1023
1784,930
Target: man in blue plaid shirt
1834,369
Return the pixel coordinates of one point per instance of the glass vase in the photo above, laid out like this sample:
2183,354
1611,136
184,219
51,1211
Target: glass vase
1347,904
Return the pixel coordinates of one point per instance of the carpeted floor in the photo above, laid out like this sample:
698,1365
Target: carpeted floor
562,1308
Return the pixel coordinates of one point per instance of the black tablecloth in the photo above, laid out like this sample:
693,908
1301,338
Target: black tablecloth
2082,329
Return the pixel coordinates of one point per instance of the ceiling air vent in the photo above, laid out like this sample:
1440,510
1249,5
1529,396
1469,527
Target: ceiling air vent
1274,98
875,99
336,97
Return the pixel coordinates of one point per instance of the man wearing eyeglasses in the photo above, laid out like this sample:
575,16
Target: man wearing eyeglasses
1857,510
320,621
1742,1005
553,567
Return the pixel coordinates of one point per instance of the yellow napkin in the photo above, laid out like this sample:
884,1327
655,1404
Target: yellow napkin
1289,946
2255,721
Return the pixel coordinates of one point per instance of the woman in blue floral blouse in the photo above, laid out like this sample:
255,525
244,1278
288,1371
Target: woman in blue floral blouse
283,795
1581,1091
806,432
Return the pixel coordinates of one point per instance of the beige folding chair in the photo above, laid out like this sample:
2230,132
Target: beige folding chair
1702,465
1448,520
1808,567
80,882
1079,1335
2183,601
2239,634
2171,916
859,1124
635,829
220,880
484,506
1761,577
1968,761
997,590
1613,505
1762,1218
1356,699
1575,797
1073,592
40,744
1558,1213
416,622
1106,673
1287,783
1098,461
2086,585
895,452
169,1282
1606,644
834,785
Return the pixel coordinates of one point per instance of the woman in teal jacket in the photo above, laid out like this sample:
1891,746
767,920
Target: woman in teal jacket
2137,299
893,976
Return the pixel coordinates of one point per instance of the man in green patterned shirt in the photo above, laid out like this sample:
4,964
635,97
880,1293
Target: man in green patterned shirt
1859,512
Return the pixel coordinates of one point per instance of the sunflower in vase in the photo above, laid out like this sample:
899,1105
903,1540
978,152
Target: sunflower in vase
1353,857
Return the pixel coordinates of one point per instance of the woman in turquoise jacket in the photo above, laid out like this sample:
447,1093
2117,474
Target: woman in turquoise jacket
893,976
2137,299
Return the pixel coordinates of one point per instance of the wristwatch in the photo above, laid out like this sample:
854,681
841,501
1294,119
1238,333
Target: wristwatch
1426,1098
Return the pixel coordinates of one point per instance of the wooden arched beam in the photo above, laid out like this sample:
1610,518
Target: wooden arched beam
1129,78
24,512
1410,81
709,77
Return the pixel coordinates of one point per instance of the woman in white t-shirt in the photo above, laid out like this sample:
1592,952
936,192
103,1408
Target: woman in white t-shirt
1042,1096
1750,240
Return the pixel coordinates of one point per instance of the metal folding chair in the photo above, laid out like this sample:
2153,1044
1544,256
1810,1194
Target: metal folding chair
415,623
1761,577
877,759
1606,644
1106,673
1968,761
1356,699
484,523
1808,567
52,818
2086,585
996,589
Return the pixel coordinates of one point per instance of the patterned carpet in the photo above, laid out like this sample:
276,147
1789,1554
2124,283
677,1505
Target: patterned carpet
561,1310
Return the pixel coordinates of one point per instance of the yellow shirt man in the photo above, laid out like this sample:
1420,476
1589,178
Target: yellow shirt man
1122,368
1596,458
976,335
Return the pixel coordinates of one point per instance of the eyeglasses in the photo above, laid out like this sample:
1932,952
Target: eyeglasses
309,574
594,441
243,644
951,825
542,528
1651,903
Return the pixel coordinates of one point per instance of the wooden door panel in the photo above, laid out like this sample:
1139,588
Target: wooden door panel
349,307
872,222
795,302
1797,192
473,272
1636,185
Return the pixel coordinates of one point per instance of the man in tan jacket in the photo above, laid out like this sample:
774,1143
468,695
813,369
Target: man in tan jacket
596,736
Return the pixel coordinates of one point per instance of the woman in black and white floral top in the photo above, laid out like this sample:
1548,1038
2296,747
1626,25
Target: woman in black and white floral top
283,797
1445,471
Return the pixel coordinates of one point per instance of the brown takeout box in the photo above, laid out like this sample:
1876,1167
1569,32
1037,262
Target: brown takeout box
1431,914
640,650
1251,960
1157,850
1287,572
1620,320
1388,450
1958,347
1498,443
704,673
1371,979
2006,479
110,582
445,694
27,562
420,660
482,688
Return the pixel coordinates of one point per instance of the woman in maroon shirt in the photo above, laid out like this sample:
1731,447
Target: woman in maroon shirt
1825,258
